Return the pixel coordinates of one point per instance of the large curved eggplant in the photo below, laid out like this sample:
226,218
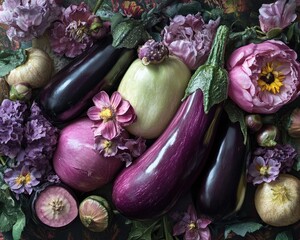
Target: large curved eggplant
70,91
155,181
220,189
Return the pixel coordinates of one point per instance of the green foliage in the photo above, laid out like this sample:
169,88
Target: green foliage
11,214
287,235
10,59
151,230
242,228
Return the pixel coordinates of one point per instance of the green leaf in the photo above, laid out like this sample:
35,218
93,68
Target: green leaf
211,77
235,114
242,229
10,59
129,34
287,235
18,227
142,230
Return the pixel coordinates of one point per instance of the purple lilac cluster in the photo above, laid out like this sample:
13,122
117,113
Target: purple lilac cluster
268,163
28,19
28,142
12,121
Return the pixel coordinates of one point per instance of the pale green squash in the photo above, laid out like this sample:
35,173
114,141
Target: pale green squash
155,92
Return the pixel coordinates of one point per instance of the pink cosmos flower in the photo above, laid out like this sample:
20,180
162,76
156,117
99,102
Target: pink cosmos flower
263,77
192,227
76,31
190,39
279,14
110,114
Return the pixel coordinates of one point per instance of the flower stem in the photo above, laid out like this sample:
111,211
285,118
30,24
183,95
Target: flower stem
97,6
2,161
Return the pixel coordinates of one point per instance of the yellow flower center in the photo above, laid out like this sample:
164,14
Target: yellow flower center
23,180
107,144
270,79
106,114
192,225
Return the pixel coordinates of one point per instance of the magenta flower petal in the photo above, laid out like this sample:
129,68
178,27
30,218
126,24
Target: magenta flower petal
116,100
101,99
93,113
110,130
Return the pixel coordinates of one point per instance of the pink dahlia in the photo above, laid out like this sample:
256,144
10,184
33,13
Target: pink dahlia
110,114
263,77
279,14
190,39
76,31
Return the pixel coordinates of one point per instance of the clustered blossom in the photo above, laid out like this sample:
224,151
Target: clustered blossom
12,117
76,31
279,15
190,38
28,140
41,139
268,163
192,227
28,19
110,116
263,77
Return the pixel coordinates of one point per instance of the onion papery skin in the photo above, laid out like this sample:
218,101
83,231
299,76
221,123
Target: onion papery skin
77,163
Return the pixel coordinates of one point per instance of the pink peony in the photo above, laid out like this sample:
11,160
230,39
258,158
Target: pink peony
263,77
277,15
190,39
110,114
76,31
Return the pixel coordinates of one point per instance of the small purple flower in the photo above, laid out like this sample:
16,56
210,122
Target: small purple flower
192,227
110,114
21,179
76,31
279,14
28,19
110,148
190,38
136,146
263,170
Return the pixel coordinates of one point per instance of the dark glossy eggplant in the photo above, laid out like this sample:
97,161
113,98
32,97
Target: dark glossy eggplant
154,182
220,189
70,91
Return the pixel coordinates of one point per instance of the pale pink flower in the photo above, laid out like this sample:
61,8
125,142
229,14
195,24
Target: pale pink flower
279,14
263,77
110,114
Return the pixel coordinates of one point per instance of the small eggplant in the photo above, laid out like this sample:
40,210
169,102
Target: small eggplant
54,205
71,89
220,190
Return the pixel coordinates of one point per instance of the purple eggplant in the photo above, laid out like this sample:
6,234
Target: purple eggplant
70,91
155,181
221,187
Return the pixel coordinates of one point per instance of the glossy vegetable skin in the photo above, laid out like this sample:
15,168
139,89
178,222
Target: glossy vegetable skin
156,180
221,187
70,92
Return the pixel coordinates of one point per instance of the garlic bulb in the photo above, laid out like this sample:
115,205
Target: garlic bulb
36,72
